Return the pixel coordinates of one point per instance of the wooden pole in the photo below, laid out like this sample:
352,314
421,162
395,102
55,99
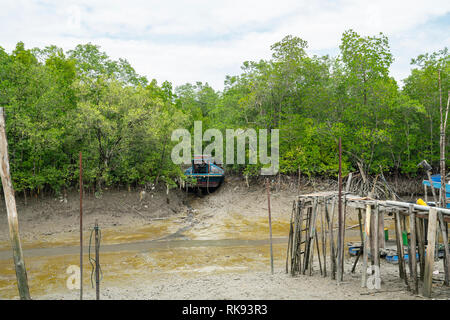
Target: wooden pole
446,259
306,254
367,236
373,235
296,255
13,221
291,232
340,220
381,235
361,247
97,262
324,239
421,245
400,251
349,182
318,252
270,225
433,192
330,222
412,250
376,253
429,259
81,227
313,234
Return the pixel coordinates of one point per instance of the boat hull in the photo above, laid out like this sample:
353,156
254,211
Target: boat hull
205,181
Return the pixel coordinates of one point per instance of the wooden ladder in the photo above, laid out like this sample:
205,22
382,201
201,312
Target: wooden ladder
301,237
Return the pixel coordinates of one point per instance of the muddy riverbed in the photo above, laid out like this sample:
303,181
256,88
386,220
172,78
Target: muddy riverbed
177,246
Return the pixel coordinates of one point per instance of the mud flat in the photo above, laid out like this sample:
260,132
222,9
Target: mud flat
184,246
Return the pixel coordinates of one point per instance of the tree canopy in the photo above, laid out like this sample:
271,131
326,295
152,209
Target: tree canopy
60,103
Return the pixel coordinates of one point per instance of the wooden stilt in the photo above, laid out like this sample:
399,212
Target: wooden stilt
291,233
405,231
343,238
429,259
412,250
366,245
421,246
270,225
403,227
361,248
330,228
381,240
318,253
324,239
400,250
294,241
296,245
376,253
313,236
307,240
446,260
373,235
301,214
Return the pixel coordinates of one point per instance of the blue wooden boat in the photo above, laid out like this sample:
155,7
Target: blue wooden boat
436,180
205,171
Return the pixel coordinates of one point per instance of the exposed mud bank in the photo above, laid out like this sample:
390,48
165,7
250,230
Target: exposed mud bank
178,246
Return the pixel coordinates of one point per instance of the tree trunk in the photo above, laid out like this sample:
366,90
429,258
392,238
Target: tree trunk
442,143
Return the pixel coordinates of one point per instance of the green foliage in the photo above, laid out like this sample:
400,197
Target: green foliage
58,104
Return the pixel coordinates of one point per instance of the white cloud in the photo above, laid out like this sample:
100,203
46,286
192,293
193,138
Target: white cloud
188,41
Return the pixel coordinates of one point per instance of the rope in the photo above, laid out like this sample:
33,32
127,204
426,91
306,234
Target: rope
92,260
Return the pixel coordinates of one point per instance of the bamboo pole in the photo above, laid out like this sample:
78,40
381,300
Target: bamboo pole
13,221
442,142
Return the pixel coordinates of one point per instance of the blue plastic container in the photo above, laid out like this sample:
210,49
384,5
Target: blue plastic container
394,258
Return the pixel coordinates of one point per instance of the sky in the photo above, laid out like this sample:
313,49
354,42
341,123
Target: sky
205,40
